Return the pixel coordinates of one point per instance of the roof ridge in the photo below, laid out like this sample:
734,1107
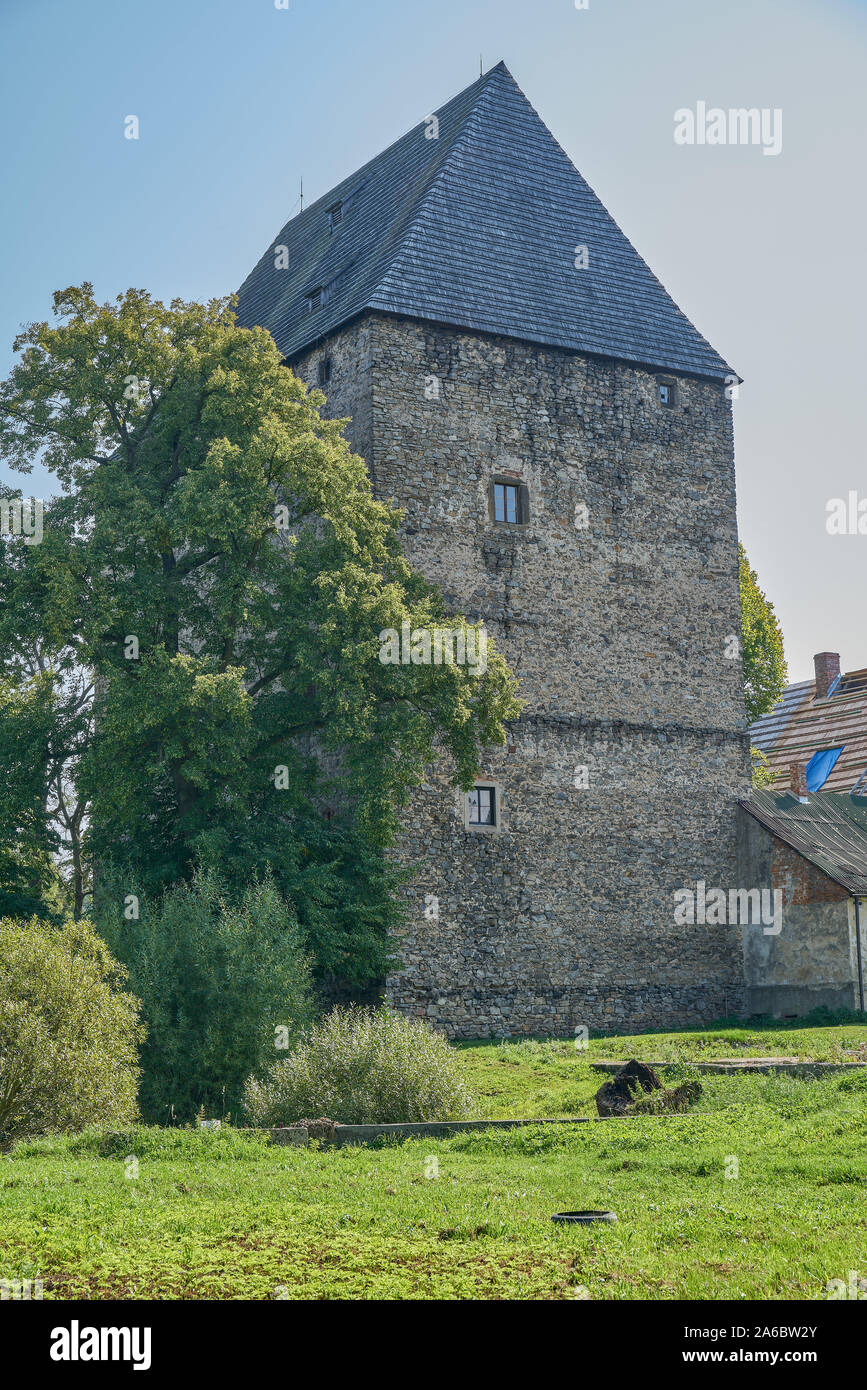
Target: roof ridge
357,176
460,138
472,228
612,219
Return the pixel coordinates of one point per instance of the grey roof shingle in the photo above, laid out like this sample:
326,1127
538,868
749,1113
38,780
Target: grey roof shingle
477,229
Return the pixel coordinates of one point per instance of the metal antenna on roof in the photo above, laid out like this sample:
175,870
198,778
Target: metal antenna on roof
481,73
302,192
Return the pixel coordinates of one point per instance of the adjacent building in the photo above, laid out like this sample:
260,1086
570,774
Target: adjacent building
823,723
811,849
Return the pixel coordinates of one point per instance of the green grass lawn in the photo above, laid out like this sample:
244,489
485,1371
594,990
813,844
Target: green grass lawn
204,1214
553,1078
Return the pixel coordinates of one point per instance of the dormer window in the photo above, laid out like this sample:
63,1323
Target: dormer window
314,299
335,217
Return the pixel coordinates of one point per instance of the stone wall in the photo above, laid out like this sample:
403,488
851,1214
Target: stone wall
620,629
349,354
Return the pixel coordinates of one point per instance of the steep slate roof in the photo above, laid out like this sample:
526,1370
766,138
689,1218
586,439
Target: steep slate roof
477,229
800,725
830,830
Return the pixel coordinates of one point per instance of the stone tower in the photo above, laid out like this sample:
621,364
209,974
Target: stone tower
561,439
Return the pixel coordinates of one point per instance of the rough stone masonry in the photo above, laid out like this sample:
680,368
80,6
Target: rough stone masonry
619,634
467,301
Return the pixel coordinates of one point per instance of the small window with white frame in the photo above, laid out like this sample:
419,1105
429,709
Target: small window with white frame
667,393
482,807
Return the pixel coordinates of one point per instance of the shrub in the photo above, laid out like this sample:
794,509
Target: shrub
68,1032
363,1066
217,977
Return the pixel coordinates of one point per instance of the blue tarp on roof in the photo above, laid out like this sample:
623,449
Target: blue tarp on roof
820,767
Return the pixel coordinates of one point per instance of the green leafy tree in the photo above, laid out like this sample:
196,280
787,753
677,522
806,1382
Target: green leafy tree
762,775
29,881
765,671
207,603
225,990
69,1033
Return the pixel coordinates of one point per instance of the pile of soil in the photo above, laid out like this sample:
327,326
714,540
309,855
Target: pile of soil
636,1089
617,1097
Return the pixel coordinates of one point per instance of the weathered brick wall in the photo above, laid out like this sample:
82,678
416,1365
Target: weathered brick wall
811,962
619,633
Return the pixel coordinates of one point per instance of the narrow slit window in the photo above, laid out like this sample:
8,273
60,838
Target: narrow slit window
324,371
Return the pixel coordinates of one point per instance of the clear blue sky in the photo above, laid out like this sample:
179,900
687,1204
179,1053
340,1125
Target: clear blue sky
237,100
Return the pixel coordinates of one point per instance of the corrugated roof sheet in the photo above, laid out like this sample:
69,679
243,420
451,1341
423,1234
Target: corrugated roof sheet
478,229
800,725
830,830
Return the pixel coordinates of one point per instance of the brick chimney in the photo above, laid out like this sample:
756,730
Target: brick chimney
798,780
827,668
